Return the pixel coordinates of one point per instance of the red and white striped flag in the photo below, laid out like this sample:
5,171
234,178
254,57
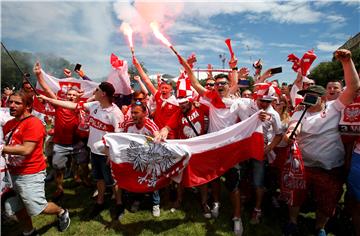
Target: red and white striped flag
60,88
140,165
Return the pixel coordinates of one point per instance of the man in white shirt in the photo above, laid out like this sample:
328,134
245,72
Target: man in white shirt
321,147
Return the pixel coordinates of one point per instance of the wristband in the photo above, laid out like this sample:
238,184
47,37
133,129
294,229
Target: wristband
234,68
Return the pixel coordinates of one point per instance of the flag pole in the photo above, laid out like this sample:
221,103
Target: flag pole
26,76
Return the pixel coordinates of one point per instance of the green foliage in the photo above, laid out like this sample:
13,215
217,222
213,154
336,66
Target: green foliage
133,71
11,76
332,70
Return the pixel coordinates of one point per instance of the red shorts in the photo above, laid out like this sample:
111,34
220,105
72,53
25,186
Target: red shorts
326,186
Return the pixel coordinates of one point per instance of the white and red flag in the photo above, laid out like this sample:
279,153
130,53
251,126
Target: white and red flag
140,165
60,88
119,76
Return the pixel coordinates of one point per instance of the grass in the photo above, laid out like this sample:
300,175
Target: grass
186,221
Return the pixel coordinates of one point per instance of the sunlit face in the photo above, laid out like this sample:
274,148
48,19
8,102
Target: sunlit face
72,95
165,90
138,115
263,104
16,105
333,90
308,84
222,86
140,98
27,87
210,84
279,106
247,94
98,94
185,107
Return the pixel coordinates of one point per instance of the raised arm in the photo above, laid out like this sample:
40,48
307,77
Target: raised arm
264,76
233,75
351,77
56,102
194,82
299,80
40,79
144,76
142,85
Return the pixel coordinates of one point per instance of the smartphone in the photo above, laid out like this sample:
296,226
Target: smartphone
276,70
77,67
310,99
242,83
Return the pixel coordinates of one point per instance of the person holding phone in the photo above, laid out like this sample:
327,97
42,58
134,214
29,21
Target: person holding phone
321,147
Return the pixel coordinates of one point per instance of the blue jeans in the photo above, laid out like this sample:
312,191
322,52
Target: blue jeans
101,170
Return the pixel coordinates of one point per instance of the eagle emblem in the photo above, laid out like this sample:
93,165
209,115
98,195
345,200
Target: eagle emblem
152,159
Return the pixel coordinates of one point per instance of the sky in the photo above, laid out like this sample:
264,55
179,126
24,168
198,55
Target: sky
88,32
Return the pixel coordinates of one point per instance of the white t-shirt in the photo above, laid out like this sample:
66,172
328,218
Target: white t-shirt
148,129
295,98
319,139
102,121
271,127
220,114
4,117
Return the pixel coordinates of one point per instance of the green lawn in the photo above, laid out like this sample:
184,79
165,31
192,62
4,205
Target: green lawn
187,221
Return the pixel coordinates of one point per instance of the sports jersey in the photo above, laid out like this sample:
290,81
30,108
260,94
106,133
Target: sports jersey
102,121
165,108
148,129
66,124
30,129
183,130
220,114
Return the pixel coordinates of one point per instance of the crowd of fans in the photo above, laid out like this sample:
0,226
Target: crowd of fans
164,114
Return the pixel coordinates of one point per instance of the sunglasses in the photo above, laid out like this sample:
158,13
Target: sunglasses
266,101
222,83
210,84
139,99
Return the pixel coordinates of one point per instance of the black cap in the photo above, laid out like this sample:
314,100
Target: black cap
320,90
108,88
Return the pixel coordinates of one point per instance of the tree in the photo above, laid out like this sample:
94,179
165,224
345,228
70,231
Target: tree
332,70
11,75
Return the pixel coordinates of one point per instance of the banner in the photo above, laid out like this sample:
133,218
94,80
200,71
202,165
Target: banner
350,120
60,88
140,165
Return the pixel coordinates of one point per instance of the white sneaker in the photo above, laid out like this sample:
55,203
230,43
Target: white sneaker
215,209
156,211
238,227
95,194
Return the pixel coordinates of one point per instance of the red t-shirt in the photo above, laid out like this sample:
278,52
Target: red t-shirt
198,117
164,110
66,124
30,129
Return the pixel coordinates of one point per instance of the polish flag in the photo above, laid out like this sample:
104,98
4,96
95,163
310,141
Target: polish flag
140,165
60,88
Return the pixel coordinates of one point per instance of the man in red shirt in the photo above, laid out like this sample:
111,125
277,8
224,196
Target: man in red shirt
24,137
66,142
166,104
188,122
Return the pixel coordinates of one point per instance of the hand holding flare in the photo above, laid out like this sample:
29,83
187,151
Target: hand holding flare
155,28
127,30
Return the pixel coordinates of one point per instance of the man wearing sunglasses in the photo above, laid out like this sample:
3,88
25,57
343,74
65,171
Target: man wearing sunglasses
220,117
